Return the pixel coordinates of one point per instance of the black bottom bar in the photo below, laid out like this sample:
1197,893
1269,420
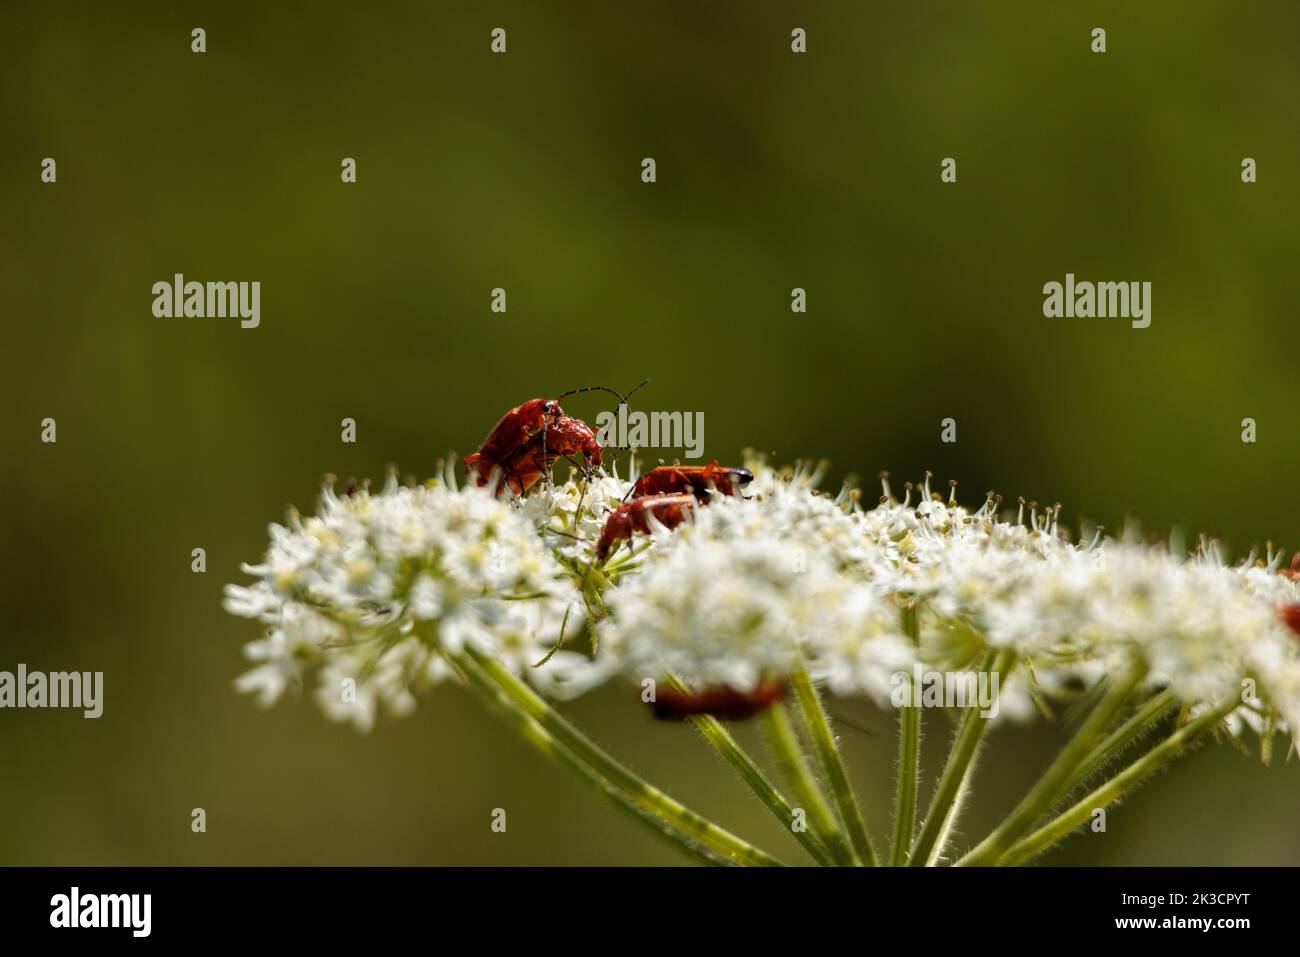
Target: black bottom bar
341,906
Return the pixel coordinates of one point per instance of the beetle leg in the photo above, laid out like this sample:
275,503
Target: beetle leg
582,596
587,473
559,642
546,472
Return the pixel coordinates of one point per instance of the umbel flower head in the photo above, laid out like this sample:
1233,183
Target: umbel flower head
372,587
375,590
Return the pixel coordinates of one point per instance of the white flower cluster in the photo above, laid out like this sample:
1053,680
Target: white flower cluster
373,587
571,516
751,588
376,587
1077,612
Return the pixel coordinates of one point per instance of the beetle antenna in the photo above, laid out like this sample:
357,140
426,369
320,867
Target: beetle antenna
561,397
589,388
635,390
622,398
623,401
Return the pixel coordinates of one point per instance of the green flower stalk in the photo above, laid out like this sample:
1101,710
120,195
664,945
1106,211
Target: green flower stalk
784,746
909,756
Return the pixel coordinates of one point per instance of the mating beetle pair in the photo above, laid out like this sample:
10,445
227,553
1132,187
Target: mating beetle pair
522,447
520,451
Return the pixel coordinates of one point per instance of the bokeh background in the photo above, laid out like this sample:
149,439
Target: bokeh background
522,171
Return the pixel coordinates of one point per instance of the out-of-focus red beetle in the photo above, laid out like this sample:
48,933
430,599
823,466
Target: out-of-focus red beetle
670,704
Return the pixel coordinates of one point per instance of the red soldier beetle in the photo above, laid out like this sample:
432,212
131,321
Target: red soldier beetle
695,479
669,510
528,439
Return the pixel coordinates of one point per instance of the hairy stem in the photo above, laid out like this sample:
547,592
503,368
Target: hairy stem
748,770
909,759
909,772
1040,798
950,792
1117,787
828,752
637,789
545,742
783,744
1150,714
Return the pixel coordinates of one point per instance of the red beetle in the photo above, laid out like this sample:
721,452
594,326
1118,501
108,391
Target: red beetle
695,479
527,441
719,701
669,510
530,437
669,493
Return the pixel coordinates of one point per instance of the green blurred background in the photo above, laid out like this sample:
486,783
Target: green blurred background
475,171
